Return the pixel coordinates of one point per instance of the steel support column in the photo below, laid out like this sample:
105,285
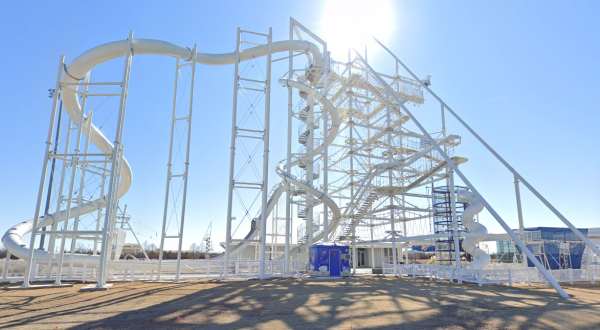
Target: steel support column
48,150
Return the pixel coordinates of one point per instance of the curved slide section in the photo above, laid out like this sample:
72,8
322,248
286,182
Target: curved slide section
278,189
335,118
12,239
335,126
469,244
320,195
276,192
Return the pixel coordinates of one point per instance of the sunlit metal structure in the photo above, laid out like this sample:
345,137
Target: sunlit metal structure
360,167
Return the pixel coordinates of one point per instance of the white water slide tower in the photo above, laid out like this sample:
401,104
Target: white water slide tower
360,168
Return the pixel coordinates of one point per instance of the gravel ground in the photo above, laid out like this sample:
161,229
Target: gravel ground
365,302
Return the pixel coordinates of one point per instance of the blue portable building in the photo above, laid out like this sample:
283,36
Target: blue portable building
329,259
548,251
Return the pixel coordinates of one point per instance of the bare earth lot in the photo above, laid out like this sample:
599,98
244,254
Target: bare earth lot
357,303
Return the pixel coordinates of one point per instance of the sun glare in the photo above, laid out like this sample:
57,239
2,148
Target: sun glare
353,23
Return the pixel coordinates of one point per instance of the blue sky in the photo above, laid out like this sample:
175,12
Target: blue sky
523,75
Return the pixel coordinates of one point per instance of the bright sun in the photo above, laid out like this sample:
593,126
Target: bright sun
353,23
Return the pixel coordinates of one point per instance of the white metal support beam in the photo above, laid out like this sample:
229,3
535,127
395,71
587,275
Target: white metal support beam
243,132
232,152
47,152
508,230
265,192
170,175
493,152
117,162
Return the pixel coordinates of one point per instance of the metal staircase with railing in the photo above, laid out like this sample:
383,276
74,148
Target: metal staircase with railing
358,216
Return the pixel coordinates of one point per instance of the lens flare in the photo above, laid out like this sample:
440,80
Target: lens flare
353,23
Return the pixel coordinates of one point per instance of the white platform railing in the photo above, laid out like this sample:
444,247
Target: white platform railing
492,276
136,270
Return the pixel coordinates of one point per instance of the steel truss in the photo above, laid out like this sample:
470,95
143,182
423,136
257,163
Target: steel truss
376,167
187,131
245,131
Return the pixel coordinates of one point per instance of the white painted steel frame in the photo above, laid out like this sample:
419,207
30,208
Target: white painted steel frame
78,68
47,152
115,171
69,198
184,175
296,27
265,163
549,277
529,186
265,192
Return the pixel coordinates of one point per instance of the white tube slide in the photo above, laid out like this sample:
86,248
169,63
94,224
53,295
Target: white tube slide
280,188
335,125
320,195
469,244
335,119
12,239
276,192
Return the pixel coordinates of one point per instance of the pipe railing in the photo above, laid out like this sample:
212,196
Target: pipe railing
493,152
138,270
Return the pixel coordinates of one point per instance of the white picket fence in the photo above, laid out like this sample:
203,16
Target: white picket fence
133,270
492,276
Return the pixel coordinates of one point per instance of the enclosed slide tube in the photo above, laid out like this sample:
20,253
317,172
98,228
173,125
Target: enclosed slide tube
276,192
278,189
469,244
320,195
12,239
281,168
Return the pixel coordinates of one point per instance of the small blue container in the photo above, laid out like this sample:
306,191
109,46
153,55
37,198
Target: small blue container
329,259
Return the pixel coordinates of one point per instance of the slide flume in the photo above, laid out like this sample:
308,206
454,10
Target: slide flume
274,196
469,244
12,239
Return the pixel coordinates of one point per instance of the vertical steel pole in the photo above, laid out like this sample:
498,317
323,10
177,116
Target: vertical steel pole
43,176
163,232
288,168
232,157
187,163
455,233
405,232
99,216
351,153
391,183
496,216
80,131
54,227
51,244
113,187
310,170
74,167
274,229
520,214
51,179
7,262
265,192
325,147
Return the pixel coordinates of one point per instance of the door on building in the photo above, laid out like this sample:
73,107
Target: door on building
361,258
334,262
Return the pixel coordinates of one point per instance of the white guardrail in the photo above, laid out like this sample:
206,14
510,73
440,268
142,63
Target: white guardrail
14,270
492,276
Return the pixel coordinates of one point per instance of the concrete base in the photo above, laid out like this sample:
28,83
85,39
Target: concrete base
93,287
42,286
165,282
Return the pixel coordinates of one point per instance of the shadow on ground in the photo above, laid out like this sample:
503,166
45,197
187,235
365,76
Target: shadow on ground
355,303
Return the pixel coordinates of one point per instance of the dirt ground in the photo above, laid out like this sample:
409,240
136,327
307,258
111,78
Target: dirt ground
367,302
